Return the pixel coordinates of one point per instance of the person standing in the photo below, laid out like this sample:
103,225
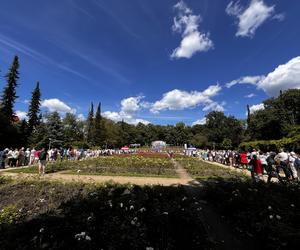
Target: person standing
282,159
15,157
3,155
42,161
292,161
257,170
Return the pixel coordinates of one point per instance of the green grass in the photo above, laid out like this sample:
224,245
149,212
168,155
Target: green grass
203,170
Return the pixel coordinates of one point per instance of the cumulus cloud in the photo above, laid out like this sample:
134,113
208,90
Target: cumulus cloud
256,107
214,106
129,108
21,114
193,40
245,80
284,77
179,100
199,122
251,17
57,105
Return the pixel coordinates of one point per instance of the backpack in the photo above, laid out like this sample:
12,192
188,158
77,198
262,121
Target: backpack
297,163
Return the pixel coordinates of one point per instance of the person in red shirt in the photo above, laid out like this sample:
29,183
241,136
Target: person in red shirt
257,170
243,160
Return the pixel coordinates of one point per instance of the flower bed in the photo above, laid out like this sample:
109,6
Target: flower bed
56,216
267,214
106,165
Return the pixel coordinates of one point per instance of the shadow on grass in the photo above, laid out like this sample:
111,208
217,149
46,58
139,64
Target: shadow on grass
108,217
267,213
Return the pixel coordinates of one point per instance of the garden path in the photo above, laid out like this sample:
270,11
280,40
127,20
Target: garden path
100,179
219,232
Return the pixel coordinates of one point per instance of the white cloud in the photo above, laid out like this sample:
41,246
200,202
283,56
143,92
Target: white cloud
179,100
256,107
81,117
214,106
21,114
193,40
245,80
250,95
251,17
129,107
57,105
284,77
199,122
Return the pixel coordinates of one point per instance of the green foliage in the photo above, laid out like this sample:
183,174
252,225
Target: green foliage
273,145
9,215
226,144
73,129
219,127
34,109
278,119
9,94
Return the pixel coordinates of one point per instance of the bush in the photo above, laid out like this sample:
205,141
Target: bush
291,144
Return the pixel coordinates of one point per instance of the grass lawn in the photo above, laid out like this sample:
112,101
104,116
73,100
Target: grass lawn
201,170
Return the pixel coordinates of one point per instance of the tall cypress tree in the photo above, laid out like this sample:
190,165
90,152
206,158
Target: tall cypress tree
9,94
97,138
90,124
34,109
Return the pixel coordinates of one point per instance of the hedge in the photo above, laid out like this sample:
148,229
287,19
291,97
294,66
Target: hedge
290,144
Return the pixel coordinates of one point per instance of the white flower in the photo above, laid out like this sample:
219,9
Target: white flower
134,220
42,230
149,248
271,217
292,205
165,213
82,236
121,204
131,207
78,171
184,198
142,210
278,217
269,207
42,200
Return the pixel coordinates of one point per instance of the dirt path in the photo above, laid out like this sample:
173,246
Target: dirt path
218,230
99,179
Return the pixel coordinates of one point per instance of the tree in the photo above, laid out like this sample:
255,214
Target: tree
226,144
34,109
9,94
90,125
98,139
73,131
54,130
23,135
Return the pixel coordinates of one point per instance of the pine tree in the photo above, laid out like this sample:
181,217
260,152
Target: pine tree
97,138
55,130
23,135
90,124
9,94
34,109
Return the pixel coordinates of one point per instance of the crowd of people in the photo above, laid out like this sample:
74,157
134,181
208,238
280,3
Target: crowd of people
26,157
258,162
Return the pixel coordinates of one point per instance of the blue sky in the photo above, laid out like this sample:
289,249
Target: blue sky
151,60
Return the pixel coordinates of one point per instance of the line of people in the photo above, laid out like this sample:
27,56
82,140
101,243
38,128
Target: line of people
258,162
21,157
